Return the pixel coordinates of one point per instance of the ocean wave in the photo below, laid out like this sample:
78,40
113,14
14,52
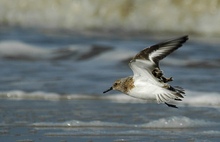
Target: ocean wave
190,16
170,122
193,98
178,122
16,50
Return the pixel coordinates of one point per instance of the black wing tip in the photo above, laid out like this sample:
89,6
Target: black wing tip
184,38
180,40
175,42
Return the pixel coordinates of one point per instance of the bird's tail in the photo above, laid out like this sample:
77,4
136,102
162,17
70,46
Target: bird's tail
179,91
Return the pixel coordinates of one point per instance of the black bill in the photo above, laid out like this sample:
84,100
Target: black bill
108,90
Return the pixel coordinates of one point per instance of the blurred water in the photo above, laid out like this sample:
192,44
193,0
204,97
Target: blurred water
170,16
52,82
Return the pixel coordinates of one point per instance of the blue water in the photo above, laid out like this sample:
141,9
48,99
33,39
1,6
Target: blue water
51,88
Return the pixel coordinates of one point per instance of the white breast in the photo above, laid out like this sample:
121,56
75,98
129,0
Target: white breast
144,90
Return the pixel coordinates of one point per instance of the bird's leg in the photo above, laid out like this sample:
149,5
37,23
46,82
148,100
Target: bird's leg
159,74
170,105
165,80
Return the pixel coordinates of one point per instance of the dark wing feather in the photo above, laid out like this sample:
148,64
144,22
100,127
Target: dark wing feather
159,51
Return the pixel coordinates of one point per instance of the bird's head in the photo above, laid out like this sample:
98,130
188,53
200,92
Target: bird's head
117,85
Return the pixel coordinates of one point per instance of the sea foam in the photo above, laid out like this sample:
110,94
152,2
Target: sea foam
193,98
141,15
170,122
17,50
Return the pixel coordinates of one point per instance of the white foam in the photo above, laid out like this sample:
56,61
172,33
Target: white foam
196,98
211,132
122,98
171,122
178,122
38,95
16,49
77,123
192,98
181,16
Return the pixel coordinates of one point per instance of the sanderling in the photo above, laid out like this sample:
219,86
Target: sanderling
148,82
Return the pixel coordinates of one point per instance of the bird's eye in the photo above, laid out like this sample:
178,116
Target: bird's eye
116,84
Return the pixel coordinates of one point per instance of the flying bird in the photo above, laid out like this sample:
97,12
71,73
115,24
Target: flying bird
148,82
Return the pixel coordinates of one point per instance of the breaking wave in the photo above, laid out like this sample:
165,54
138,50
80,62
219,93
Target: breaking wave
193,98
171,122
16,50
128,15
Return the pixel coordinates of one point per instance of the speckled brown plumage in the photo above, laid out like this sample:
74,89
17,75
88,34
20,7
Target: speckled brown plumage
128,84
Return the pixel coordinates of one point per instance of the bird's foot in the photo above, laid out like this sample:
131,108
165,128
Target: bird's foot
165,80
159,74
170,105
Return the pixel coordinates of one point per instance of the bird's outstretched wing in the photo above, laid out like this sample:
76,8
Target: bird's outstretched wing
142,70
159,51
148,59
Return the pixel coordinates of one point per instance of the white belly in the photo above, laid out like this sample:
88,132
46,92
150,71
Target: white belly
144,91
